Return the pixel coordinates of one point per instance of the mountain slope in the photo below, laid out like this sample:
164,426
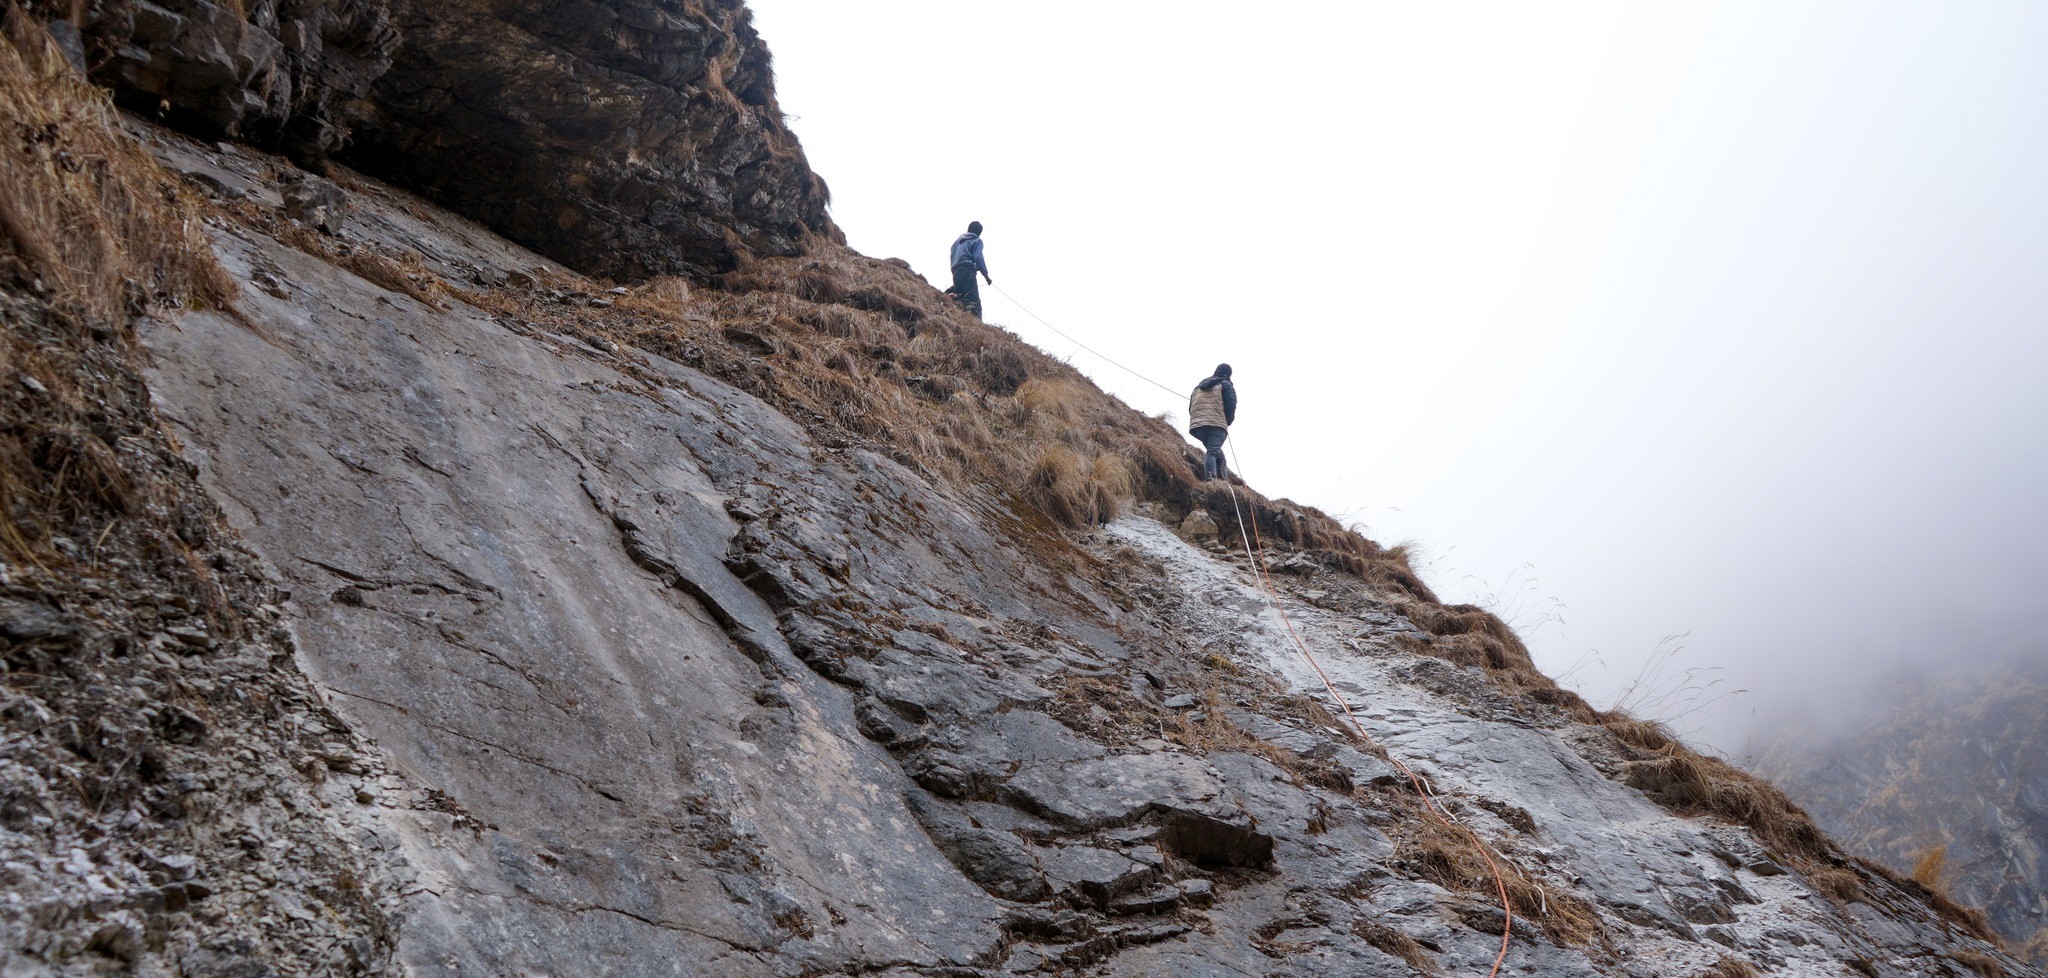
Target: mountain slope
1953,763
808,709
764,625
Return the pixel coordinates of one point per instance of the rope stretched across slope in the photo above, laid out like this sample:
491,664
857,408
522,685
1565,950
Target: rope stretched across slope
1255,551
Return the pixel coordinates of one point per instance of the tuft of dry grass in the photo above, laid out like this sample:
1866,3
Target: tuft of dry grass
1838,882
1693,784
1930,868
406,275
1397,943
1730,968
1451,858
1215,733
92,225
85,214
1060,400
1981,963
1078,491
1646,734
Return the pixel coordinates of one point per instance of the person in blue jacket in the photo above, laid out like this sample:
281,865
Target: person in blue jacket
967,259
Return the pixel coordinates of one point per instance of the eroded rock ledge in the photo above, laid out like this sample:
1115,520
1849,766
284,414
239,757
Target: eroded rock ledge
626,139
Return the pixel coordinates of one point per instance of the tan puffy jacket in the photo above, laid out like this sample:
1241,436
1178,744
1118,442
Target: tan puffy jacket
1205,408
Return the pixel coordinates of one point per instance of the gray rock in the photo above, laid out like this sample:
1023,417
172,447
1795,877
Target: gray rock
293,75
21,621
1100,876
994,859
314,202
1199,821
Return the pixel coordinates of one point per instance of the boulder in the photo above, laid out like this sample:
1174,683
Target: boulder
314,202
1199,527
1100,876
1175,791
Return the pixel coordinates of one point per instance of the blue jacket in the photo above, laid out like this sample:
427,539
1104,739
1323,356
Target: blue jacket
967,251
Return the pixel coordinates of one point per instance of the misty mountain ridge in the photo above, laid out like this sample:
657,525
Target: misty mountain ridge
1941,768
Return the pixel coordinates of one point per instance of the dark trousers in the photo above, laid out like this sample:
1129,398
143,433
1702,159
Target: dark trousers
965,291
1212,438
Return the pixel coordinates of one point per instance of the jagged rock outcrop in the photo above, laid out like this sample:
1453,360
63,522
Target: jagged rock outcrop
285,73
626,138
1956,763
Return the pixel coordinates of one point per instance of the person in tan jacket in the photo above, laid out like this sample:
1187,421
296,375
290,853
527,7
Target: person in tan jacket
1211,410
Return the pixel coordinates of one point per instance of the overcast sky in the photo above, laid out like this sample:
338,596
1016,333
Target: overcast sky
1727,319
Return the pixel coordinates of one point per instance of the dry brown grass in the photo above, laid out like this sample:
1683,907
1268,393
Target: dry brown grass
1981,963
406,275
1214,732
1838,882
1396,943
1693,784
1471,636
1451,858
1077,491
84,211
1648,735
90,223
1730,968
1930,868
1058,400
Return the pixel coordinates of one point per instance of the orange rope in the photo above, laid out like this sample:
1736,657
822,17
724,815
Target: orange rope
1428,803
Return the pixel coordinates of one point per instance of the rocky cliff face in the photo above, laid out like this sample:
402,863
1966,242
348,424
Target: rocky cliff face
1956,764
629,138
289,73
626,139
382,597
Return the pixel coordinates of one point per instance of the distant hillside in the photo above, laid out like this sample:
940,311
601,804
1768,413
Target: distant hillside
1955,764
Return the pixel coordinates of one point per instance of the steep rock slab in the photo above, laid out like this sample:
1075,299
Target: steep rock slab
628,138
661,787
